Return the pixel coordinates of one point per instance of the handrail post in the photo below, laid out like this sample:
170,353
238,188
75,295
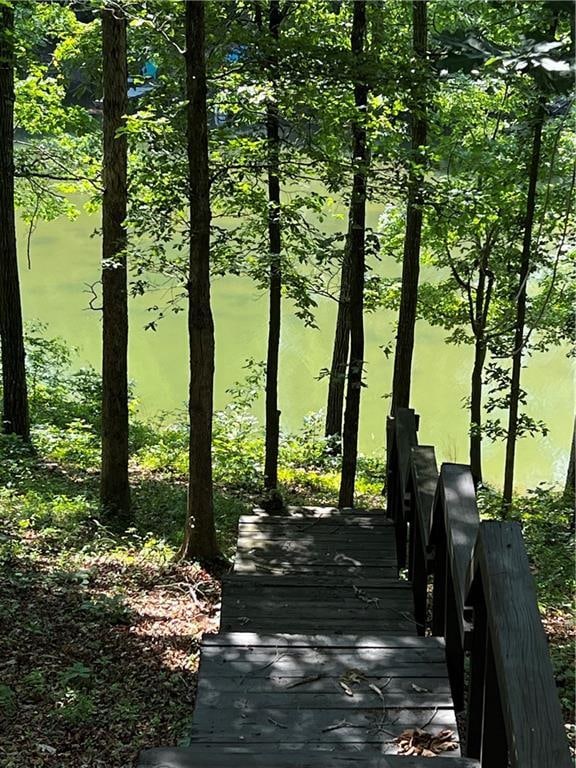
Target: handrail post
494,750
401,531
475,722
522,720
454,644
419,577
390,474
411,520
439,591
422,485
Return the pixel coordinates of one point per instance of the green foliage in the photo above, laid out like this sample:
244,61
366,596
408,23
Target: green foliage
76,676
76,445
7,700
111,608
548,528
562,655
35,682
75,707
59,394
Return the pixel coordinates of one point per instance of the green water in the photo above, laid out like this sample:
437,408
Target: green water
65,258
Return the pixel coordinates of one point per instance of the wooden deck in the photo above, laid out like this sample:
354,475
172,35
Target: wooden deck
318,661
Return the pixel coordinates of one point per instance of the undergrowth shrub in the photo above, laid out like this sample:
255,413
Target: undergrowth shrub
547,521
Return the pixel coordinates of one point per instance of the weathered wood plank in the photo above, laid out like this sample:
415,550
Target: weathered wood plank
337,698
272,601
381,525
314,513
240,684
325,656
312,563
424,479
343,555
316,555
462,522
253,640
295,584
287,668
287,756
318,530
328,544
532,715
310,725
308,624
261,565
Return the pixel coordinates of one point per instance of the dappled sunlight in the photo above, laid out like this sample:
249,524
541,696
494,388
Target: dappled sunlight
115,652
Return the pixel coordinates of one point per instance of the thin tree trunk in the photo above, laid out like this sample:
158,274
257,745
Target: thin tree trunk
15,418
512,431
411,257
114,484
200,533
476,410
341,348
275,288
357,255
478,321
569,489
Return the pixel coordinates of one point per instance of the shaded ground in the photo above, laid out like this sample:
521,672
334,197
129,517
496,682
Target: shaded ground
99,634
98,655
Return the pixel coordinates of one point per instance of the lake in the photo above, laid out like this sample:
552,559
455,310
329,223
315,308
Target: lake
65,258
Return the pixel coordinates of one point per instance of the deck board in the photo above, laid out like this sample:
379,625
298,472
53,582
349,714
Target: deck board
317,662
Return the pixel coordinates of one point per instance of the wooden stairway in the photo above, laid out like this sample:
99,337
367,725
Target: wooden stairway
318,662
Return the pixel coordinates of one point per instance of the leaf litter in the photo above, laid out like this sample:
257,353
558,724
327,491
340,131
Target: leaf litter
98,656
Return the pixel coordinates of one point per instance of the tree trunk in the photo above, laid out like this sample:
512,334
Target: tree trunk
114,484
200,533
337,382
476,410
569,489
15,418
275,288
512,431
357,254
413,232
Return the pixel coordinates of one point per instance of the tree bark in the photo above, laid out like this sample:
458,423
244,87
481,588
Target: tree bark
513,409
275,245
411,257
15,417
200,533
360,157
478,320
569,489
341,348
476,410
114,483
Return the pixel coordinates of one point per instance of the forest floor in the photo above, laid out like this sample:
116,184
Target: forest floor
98,654
100,633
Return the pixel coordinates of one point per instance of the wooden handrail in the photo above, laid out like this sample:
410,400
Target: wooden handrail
455,522
456,517
484,604
401,432
422,483
513,649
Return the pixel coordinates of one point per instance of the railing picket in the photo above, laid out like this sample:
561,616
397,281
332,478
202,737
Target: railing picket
494,750
422,482
439,590
477,676
419,582
454,647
